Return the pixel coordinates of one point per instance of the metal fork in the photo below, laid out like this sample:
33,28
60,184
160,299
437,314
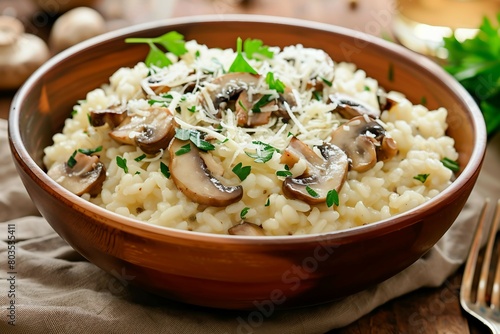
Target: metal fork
480,297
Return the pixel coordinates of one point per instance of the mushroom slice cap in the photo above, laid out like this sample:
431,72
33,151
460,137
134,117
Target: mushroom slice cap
112,116
362,138
86,176
246,228
244,114
330,175
297,150
228,86
349,107
192,177
151,133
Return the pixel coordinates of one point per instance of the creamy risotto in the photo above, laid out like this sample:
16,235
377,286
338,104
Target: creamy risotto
291,143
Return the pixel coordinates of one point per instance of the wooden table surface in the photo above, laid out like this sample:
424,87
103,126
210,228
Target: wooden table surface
428,310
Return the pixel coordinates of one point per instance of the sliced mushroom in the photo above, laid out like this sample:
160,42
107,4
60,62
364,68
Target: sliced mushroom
246,228
362,138
288,98
112,116
323,177
244,114
85,176
192,177
297,150
151,133
385,102
349,107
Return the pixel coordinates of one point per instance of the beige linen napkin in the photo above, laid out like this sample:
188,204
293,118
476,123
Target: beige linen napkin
58,291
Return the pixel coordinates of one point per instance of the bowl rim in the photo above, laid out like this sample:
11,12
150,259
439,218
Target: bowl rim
132,225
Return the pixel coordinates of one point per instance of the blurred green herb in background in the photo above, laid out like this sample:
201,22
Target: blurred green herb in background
475,63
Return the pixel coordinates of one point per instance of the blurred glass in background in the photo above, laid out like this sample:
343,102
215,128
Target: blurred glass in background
421,24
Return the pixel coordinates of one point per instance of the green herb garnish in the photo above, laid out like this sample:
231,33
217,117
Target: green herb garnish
140,158
195,137
451,164
275,84
164,170
312,192
184,149
327,82
262,102
318,96
242,171
268,202
264,152
192,109
332,198
89,151
244,212
256,46
240,64
421,177
171,41
72,161
283,173
390,72
475,63
122,163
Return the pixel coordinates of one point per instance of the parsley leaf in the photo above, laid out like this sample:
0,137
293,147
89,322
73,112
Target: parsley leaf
240,64
421,177
195,137
275,84
450,164
312,192
164,170
171,41
184,149
140,158
72,161
264,152
242,171
122,163
256,46
332,198
262,102
244,212
475,63
90,151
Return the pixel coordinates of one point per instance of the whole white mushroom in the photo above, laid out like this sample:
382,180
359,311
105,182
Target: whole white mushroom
76,26
20,53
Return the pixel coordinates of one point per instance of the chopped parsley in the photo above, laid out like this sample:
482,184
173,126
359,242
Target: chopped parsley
242,105
72,161
240,64
244,212
450,164
164,170
171,41
262,102
122,163
242,171
318,96
312,192
264,152
423,101
332,198
140,158
284,173
195,137
256,46
192,109
268,202
90,151
327,82
421,177
275,84
184,149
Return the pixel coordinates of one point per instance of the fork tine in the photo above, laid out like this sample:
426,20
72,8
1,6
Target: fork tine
483,280
495,294
468,276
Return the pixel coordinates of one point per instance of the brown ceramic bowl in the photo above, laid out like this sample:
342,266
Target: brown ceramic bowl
239,272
